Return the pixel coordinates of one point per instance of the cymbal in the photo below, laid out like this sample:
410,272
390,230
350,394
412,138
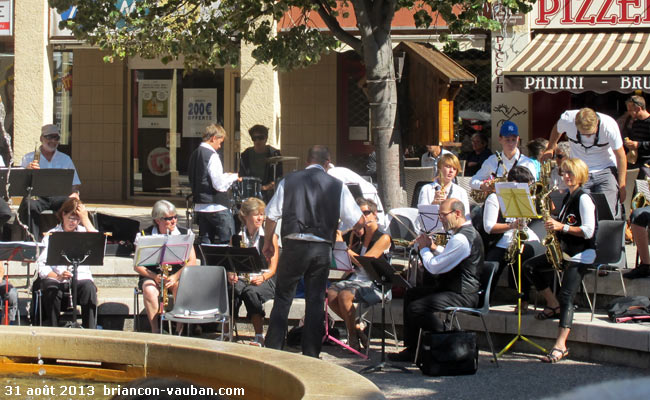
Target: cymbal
276,159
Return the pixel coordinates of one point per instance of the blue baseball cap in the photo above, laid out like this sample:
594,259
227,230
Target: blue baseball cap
509,128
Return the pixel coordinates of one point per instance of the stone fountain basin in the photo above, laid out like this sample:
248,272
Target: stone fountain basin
122,356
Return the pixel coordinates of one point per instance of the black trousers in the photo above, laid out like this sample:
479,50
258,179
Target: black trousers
5,212
53,294
531,249
253,296
420,304
541,274
311,260
36,207
215,227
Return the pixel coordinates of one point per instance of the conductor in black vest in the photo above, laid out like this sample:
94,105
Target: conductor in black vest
310,203
210,188
457,267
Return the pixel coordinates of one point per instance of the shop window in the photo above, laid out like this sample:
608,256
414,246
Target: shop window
62,82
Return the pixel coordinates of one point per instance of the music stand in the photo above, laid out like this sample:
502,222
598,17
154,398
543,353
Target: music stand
240,260
355,189
75,248
384,275
16,251
429,215
516,202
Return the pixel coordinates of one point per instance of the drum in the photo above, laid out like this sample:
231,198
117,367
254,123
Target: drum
248,187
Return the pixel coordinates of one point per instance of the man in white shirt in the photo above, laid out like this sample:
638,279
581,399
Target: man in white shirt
209,188
596,139
511,157
50,158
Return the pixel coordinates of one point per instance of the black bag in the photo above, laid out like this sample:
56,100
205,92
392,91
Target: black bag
629,309
448,353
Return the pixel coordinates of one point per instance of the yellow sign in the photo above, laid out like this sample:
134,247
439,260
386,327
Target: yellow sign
445,121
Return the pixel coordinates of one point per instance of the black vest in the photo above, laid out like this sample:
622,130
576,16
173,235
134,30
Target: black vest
200,182
311,203
570,215
464,278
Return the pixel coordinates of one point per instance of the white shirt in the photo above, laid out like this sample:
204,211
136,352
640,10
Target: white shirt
446,258
350,213
587,216
428,194
369,190
221,181
83,271
596,158
490,216
490,166
59,161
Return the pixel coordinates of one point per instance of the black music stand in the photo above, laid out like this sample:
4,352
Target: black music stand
355,189
16,251
76,248
384,275
240,260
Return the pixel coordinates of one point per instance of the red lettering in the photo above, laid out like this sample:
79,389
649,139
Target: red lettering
566,19
646,14
625,12
600,18
545,12
580,18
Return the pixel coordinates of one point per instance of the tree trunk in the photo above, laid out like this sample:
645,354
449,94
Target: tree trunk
382,96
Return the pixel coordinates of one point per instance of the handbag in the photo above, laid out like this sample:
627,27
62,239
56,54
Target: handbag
448,353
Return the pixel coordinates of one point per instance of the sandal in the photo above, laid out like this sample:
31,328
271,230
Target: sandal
552,358
545,314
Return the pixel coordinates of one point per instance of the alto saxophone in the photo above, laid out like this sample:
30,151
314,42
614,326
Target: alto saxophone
441,239
550,242
479,195
512,253
166,269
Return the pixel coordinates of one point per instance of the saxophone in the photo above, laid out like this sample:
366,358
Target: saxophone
512,253
166,269
440,239
478,195
550,242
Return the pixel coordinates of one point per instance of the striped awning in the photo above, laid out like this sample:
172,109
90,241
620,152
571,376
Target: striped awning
580,62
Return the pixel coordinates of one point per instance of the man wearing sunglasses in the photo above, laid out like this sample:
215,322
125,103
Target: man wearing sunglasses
639,134
253,161
596,139
50,158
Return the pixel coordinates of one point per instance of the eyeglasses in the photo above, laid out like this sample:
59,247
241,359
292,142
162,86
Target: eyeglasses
636,102
367,212
52,136
445,214
256,138
173,217
560,156
73,218
565,171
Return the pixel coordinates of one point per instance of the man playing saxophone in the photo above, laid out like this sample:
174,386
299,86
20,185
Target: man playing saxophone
505,231
499,164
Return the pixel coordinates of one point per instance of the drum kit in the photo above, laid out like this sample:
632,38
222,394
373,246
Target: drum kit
251,186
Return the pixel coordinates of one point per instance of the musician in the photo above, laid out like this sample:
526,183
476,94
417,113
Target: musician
510,156
368,190
367,241
502,230
443,187
57,279
310,203
12,297
595,139
165,220
50,158
209,188
259,288
639,222
457,268
575,231
253,161
639,133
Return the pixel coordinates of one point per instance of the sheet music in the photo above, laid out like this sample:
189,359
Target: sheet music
642,187
27,250
515,200
429,217
148,251
341,257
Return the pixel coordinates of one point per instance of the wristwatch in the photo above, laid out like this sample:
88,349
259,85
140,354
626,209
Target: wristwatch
565,228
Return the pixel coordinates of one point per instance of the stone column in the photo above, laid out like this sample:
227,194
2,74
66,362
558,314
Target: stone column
33,96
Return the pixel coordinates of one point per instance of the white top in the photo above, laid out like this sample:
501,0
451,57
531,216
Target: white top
490,166
369,190
254,241
444,259
428,160
490,216
2,162
221,181
59,161
83,271
349,210
588,218
597,158
428,194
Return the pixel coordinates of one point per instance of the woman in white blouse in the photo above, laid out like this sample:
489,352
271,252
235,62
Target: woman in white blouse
443,187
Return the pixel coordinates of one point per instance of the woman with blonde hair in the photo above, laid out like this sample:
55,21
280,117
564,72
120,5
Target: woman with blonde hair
443,187
575,229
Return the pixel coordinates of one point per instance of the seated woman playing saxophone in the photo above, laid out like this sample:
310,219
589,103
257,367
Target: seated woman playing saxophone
443,187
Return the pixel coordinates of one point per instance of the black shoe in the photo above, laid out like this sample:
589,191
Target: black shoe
405,355
641,271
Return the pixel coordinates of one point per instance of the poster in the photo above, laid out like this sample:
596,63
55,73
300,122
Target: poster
153,103
199,110
6,17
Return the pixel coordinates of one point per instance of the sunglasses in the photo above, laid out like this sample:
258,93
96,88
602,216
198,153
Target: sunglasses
52,136
636,102
560,156
367,212
173,217
256,138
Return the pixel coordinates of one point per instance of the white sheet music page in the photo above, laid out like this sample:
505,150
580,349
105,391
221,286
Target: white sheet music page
429,217
341,257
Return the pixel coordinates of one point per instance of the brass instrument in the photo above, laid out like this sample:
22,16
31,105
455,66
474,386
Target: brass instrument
37,153
543,202
165,269
519,236
402,242
478,195
441,239
638,201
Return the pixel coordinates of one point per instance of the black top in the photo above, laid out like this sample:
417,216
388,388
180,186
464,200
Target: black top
245,167
357,243
570,215
640,132
464,278
478,158
200,182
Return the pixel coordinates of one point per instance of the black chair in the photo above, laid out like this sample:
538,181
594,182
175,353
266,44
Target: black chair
416,193
487,274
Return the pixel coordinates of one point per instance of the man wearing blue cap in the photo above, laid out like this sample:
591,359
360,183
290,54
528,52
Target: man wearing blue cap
498,165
